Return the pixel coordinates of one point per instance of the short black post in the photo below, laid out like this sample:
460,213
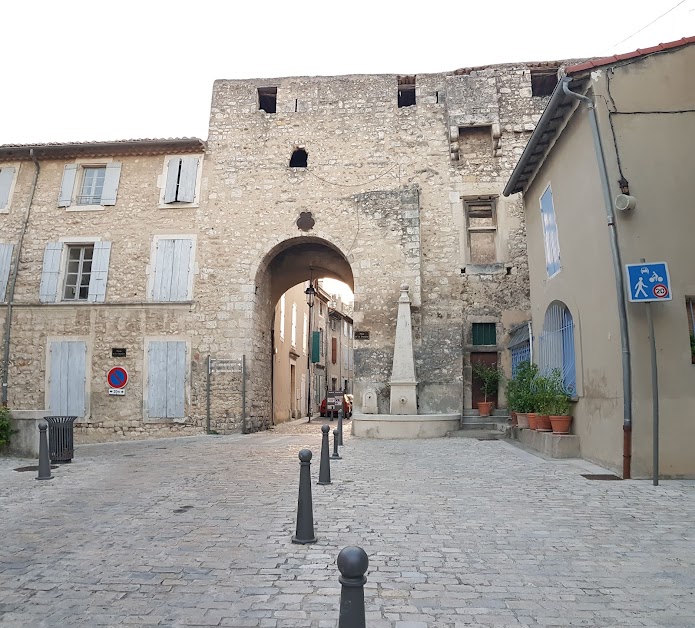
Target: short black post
325,468
352,564
336,455
305,510
44,462
340,426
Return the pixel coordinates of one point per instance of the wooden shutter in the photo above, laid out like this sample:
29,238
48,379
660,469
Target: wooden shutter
67,186
187,179
5,264
334,350
172,182
6,178
100,272
66,384
48,291
181,270
172,269
111,178
167,379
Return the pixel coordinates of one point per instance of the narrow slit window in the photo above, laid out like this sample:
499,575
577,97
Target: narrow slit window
481,225
406,91
268,99
299,158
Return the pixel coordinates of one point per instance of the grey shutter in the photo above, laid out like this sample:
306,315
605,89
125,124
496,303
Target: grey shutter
172,180
167,379
48,292
181,270
5,263
6,178
68,185
163,270
187,180
66,392
111,179
172,270
100,272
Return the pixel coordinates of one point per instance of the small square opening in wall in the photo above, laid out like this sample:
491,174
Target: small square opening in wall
268,99
406,91
543,81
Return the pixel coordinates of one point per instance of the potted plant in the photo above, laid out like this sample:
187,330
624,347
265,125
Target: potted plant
6,430
543,390
559,405
520,392
490,377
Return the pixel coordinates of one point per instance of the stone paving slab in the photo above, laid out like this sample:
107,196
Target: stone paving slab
196,532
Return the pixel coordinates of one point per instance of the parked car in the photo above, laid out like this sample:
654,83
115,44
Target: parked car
347,408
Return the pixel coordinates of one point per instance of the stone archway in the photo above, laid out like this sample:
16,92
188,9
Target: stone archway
291,262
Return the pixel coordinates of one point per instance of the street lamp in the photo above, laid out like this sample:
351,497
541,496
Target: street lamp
310,296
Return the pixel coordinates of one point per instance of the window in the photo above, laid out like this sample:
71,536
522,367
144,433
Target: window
299,158
67,377
183,176
543,81
75,271
334,351
556,345
481,230
166,379
485,334
282,318
323,345
89,185
550,235
345,358
350,332
406,91
294,324
7,179
5,265
267,99
305,334
345,328
172,266
321,308
690,311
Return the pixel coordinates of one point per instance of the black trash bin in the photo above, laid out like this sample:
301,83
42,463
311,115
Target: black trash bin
61,431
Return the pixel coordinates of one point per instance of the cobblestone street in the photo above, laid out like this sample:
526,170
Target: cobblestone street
459,532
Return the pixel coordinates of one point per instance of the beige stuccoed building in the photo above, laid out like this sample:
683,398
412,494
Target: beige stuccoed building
644,104
167,256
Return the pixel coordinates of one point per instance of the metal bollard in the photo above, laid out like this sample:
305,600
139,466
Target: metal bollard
352,564
325,468
44,462
304,533
340,426
336,455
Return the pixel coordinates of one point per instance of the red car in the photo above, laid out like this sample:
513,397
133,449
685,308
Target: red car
347,408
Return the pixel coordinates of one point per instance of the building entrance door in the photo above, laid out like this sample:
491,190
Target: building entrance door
490,359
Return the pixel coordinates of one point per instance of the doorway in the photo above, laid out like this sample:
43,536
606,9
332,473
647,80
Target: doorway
489,359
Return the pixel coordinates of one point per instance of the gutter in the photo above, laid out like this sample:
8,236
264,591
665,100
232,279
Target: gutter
619,280
13,282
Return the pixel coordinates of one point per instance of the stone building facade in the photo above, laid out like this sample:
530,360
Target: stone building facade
171,251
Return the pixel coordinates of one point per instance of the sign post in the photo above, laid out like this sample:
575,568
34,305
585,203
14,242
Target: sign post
648,283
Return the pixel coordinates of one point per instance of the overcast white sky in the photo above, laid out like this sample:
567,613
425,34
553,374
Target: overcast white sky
87,70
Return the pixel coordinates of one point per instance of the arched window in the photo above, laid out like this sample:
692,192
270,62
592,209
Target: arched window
299,158
556,345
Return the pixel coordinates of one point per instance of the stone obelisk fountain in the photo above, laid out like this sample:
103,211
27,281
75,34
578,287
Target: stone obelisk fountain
403,382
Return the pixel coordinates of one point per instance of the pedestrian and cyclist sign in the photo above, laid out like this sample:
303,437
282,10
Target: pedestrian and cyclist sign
647,282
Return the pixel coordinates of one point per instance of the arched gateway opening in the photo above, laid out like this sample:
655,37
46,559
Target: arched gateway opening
290,263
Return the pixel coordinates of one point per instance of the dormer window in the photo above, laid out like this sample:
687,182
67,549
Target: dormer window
406,91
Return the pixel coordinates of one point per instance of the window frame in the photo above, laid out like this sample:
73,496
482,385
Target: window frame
192,265
554,263
83,171
68,242
79,275
488,326
162,182
82,165
10,193
468,203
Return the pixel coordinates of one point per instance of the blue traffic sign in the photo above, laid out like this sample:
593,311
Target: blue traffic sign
648,282
117,377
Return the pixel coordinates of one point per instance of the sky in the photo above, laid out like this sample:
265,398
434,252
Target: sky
83,71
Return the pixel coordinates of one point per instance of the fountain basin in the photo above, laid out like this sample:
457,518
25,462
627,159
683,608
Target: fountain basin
404,425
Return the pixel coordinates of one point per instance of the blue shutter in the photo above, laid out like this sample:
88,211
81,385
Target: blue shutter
6,178
550,234
176,379
163,270
66,386
172,269
67,186
48,291
157,380
187,180
100,272
181,270
5,264
167,379
111,178
172,181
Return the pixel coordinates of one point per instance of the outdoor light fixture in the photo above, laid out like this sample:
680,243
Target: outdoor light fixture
310,295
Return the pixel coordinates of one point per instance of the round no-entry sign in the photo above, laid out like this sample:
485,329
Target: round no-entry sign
117,377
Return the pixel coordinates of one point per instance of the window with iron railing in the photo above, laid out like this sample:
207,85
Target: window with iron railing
92,185
556,345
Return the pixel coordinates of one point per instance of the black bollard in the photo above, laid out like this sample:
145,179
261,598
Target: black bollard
340,426
352,564
336,455
305,515
325,468
44,462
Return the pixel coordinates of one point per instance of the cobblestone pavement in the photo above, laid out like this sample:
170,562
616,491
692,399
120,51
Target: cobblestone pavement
460,532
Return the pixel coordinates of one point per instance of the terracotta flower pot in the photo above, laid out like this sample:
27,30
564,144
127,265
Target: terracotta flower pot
515,419
561,424
485,408
543,423
522,420
532,420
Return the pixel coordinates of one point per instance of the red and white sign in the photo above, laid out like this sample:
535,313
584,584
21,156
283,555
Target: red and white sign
117,377
660,291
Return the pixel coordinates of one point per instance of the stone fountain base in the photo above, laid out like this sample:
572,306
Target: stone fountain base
404,425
